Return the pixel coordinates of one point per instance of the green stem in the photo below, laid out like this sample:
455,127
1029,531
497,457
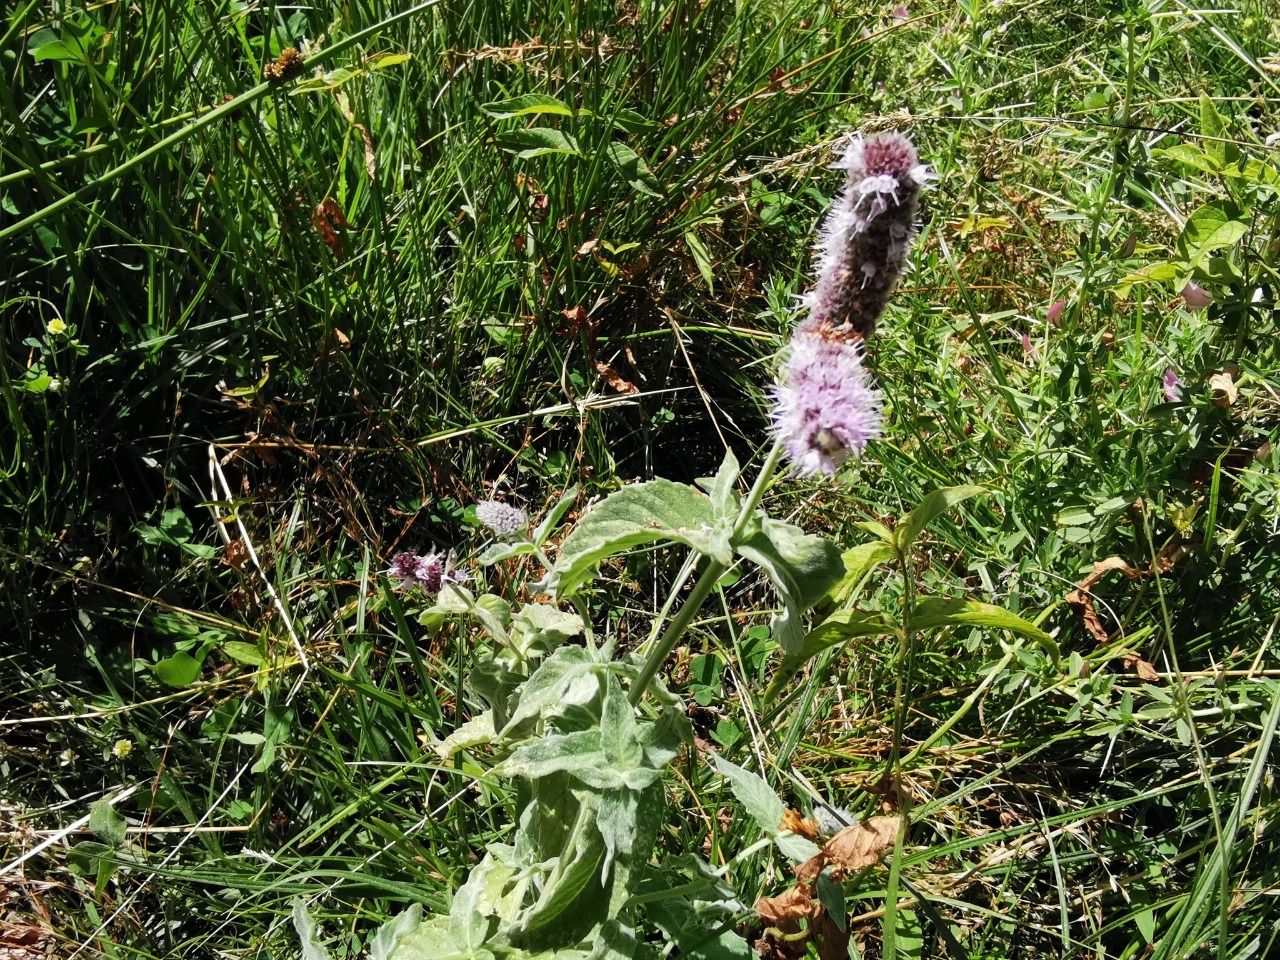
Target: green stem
710,577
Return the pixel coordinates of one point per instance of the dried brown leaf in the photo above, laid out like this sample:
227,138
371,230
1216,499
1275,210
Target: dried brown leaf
1144,670
616,380
1223,385
796,904
852,849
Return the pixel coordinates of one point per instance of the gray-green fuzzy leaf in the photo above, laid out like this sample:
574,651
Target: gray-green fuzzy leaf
655,512
803,569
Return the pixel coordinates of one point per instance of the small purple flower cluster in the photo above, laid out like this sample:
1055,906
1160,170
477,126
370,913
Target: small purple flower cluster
431,572
827,408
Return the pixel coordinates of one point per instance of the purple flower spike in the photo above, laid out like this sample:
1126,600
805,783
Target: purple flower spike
864,242
827,408
502,519
1196,297
1172,393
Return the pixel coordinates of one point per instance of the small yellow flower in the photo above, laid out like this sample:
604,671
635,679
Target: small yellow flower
67,756
122,749
56,327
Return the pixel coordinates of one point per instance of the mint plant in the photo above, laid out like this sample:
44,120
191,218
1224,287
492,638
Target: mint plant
584,731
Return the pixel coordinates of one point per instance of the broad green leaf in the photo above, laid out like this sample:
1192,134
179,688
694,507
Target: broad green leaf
633,169
432,939
1208,229
383,61
1214,129
618,734
858,563
755,795
844,626
37,384
567,885
1191,156
699,920
931,507
578,753
536,142
567,500
106,823
616,821
530,103
643,513
702,257
802,566
876,529
312,948
178,670
243,652
940,611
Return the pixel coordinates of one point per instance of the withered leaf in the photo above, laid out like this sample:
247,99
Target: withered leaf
796,904
1144,670
615,379
1082,601
1223,385
852,849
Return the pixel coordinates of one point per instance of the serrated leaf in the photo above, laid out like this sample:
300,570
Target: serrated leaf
106,823
643,513
387,938
755,795
431,939
633,169
536,142
940,611
803,568
1208,229
567,677
476,732
930,508
530,103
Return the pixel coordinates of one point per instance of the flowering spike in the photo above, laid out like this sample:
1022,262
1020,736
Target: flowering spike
864,242
827,408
